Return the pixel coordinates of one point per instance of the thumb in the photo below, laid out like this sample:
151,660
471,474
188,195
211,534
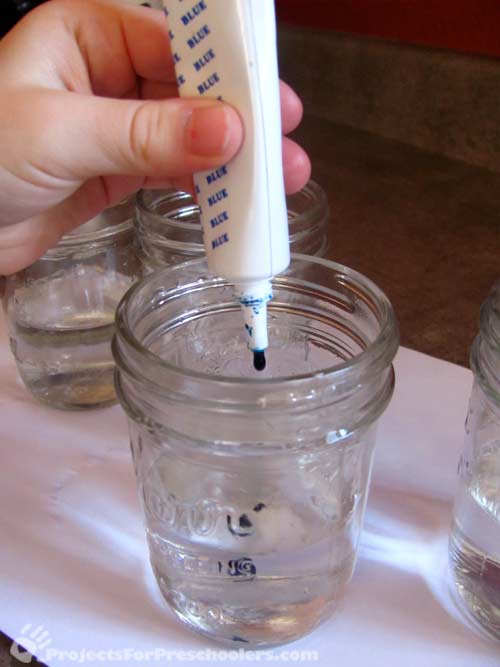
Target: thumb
88,136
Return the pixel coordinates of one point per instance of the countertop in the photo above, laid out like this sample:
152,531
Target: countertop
424,228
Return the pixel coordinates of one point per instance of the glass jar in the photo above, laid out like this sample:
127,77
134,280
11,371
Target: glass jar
254,484
475,537
60,311
168,228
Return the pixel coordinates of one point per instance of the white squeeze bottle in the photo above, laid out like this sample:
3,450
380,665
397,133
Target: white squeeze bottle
226,50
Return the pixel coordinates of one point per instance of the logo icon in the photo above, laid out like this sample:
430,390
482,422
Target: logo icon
29,643
241,567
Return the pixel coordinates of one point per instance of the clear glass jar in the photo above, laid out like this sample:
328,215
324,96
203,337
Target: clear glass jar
475,537
168,228
254,484
60,311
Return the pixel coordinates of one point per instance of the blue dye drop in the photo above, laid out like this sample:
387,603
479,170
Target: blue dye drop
259,360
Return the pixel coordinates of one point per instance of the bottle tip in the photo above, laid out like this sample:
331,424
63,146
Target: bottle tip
259,360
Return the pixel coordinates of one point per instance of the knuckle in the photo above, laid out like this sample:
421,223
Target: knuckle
145,128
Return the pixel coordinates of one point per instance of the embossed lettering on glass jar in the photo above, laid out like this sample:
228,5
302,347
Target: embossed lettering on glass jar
254,484
168,228
60,311
475,537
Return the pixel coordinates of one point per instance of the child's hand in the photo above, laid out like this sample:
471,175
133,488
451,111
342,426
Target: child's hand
89,113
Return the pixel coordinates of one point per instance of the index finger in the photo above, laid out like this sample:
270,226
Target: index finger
119,43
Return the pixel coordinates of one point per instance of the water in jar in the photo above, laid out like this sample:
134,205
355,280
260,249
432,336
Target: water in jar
475,538
61,331
253,549
256,563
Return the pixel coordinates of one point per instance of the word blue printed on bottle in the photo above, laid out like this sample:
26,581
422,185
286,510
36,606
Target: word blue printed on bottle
215,175
195,11
198,36
204,60
219,219
218,196
201,60
220,240
208,83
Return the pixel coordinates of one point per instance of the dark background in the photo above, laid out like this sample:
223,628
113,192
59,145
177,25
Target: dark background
12,10
471,26
462,25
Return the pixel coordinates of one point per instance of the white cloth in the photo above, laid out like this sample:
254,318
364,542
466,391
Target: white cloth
73,554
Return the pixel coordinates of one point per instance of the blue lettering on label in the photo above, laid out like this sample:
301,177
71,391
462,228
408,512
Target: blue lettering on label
220,240
193,12
180,80
219,219
218,196
208,83
215,175
197,189
204,60
198,36
176,57
171,35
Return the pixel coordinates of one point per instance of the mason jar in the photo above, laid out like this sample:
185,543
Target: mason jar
168,228
60,311
475,536
253,484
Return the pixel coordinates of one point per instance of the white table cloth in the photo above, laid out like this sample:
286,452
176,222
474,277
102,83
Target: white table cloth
73,555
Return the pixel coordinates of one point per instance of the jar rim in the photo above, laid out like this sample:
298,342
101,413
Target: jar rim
485,350
97,230
314,194
377,355
490,316
169,218
312,190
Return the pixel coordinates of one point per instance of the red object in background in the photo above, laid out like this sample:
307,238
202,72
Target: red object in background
461,25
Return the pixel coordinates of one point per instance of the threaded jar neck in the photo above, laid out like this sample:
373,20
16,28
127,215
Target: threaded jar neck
112,225
485,351
169,231
179,349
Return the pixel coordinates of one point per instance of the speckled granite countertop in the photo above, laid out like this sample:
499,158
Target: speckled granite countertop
426,229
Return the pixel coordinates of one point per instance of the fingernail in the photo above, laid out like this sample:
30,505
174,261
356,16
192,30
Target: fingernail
207,131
